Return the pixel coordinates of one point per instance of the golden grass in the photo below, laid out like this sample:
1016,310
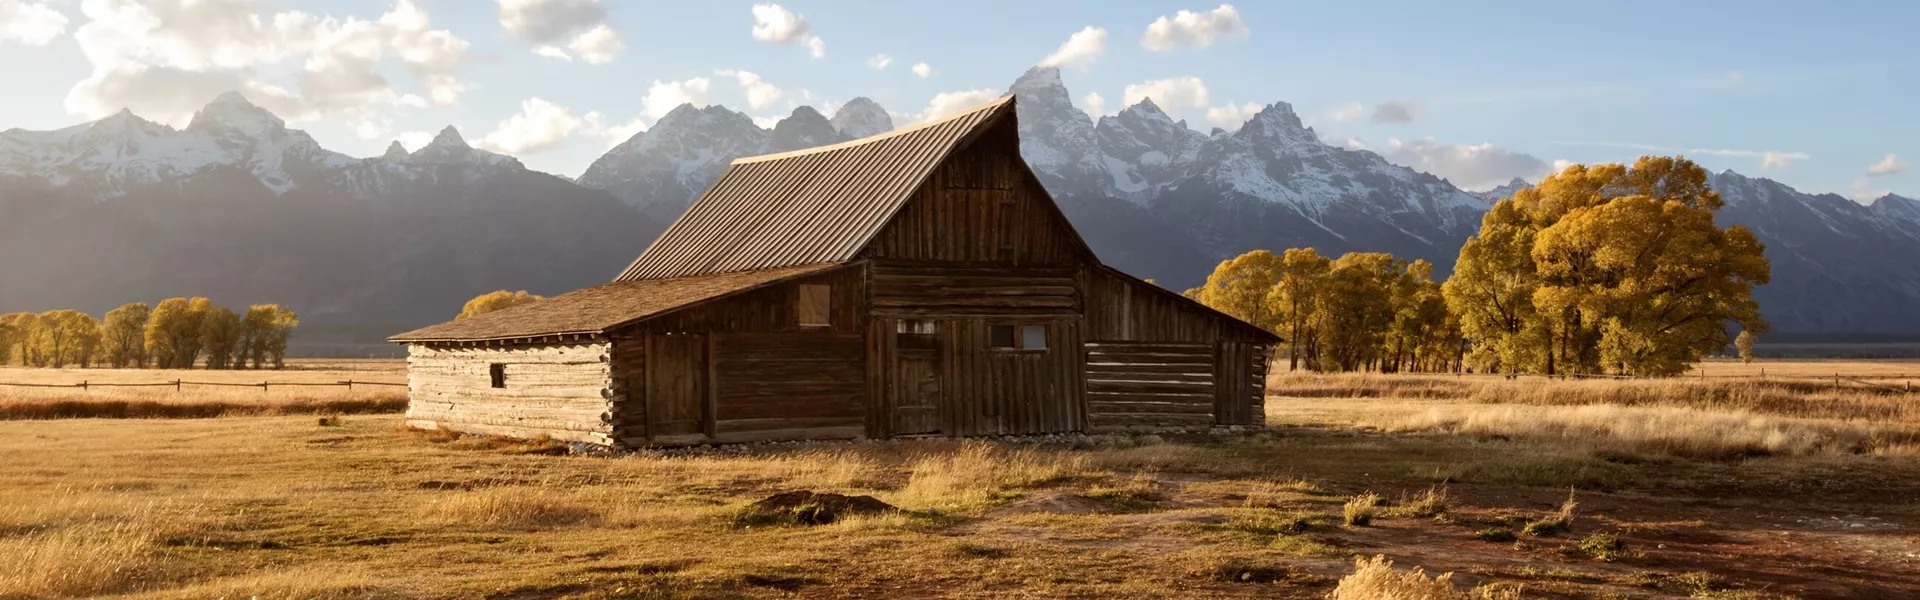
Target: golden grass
1657,430
1376,579
1359,510
515,507
191,401
978,474
1796,398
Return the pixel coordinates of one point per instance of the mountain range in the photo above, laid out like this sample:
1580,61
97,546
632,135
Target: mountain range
238,207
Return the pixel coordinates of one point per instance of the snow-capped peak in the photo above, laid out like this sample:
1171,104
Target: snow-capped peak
862,117
232,113
448,137
395,151
1278,122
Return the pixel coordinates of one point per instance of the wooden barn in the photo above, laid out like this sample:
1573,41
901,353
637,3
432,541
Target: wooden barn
919,282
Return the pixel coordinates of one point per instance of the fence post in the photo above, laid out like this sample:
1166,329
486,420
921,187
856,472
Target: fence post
263,387
349,385
176,386
83,385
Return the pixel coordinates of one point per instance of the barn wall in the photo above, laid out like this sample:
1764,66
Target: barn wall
1155,360
560,391
934,290
983,207
984,390
742,369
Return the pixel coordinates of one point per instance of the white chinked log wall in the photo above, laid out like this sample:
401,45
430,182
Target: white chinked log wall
562,391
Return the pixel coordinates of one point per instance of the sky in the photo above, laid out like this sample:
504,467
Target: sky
1820,96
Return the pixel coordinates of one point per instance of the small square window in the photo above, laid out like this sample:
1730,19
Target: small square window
915,327
1001,336
815,304
497,374
1033,337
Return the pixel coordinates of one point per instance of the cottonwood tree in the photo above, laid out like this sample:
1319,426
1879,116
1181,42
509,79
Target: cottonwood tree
1607,268
123,335
1239,287
1295,300
265,331
495,300
220,334
173,332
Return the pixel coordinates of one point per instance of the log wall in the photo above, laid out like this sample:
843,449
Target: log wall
1158,360
902,289
742,369
561,391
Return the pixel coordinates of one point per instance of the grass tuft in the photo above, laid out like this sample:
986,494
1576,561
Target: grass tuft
1376,579
1359,510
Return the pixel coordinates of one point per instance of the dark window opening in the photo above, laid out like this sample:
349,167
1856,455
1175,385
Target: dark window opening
497,373
1017,337
1001,336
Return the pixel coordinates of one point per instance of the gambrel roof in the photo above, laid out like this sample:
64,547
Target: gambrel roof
808,206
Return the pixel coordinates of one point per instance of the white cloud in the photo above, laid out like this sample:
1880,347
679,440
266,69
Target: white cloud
1397,111
1735,77
612,134
1079,50
923,70
1356,144
766,122
879,61
663,96
946,104
1170,94
1891,165
1561,164
166,58
1472,167
540,125
580,24
1230,116
1350,112
777,25
1768,158
760,94
30,23
414,140
598,45
1096,105
1188,29
1864,192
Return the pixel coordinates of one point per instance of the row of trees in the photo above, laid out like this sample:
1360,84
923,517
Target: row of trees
1606,268
1361,311
175,334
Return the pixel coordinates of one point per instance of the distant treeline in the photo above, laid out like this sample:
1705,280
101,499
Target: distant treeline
1597,269
176,334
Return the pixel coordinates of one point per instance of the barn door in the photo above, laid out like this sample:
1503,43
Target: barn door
916,385
677,386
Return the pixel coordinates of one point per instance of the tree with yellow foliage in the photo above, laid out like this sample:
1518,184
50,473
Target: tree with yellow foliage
1239,287
1295,301
173,332
123,335
495,300
220,334
1607,268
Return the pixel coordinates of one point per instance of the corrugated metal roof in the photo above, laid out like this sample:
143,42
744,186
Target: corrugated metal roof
602,307
817,205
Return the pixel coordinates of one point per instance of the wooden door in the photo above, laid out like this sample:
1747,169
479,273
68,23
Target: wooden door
677,386
917,397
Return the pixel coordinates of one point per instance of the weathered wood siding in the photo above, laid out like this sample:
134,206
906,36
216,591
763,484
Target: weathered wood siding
981,390
1150,384
983,207
935,290
1156,360
560,391
743,369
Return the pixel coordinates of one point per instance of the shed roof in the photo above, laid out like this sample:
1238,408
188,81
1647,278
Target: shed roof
808,206
602,307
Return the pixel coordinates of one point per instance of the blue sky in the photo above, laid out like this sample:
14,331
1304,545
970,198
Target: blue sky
1814,95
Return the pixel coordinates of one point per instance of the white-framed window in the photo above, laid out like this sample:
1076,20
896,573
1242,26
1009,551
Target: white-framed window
1017,337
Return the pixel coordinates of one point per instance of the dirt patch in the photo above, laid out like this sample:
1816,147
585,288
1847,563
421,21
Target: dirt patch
809,508
1058,503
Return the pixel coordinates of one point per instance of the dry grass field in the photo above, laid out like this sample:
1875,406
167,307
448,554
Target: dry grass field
1711,489
289,392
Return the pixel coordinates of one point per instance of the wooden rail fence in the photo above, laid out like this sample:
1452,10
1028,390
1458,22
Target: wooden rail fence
178,384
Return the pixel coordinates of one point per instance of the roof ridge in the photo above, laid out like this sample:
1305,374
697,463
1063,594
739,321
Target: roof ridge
995,104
